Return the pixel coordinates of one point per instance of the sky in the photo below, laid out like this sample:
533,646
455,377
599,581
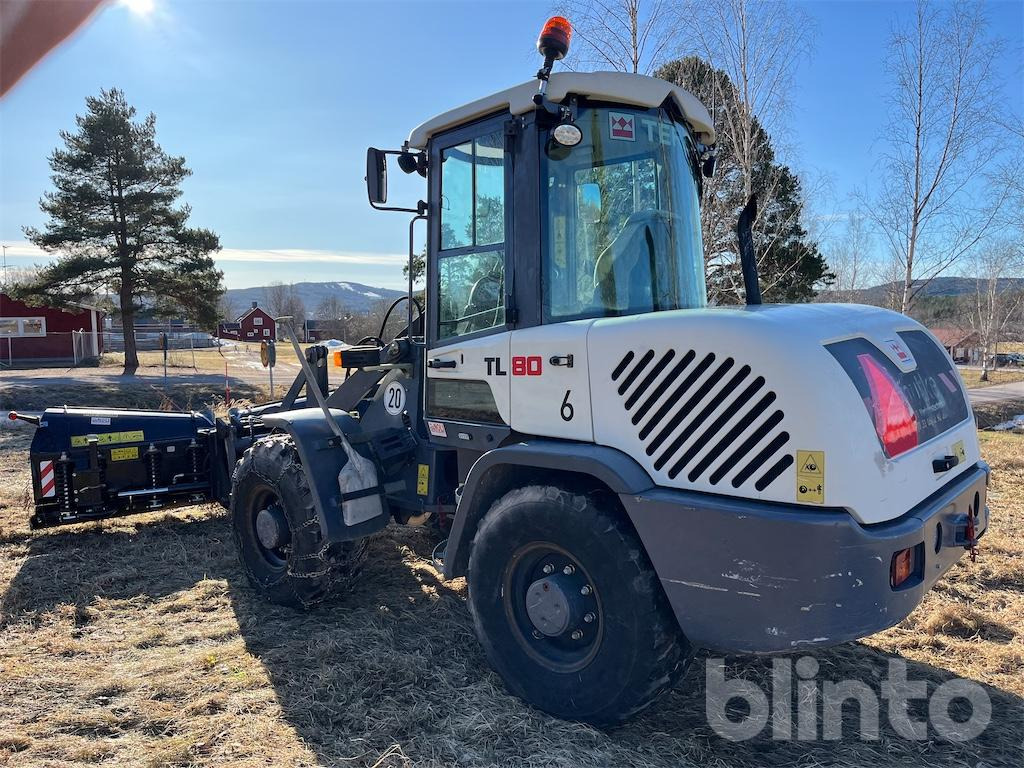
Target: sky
273,104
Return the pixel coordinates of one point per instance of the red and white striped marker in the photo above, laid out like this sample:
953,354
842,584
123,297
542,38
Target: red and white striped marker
47,481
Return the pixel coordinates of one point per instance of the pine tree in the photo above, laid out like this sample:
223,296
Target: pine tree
789,262
113,224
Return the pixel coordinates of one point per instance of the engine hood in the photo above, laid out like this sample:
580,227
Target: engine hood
763,402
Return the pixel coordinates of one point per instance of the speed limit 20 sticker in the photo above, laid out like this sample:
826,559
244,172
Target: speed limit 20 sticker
394,398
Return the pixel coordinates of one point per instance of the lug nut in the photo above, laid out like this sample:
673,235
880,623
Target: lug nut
577,634
548,568
585,590
588,617
568,570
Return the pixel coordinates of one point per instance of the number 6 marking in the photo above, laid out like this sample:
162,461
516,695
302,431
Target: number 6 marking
567,410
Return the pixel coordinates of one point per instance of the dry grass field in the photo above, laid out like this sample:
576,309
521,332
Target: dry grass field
972,376
137,642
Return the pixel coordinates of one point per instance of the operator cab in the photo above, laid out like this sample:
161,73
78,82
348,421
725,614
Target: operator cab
550,205
528,228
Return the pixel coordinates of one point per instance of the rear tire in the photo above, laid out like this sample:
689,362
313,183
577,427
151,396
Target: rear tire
595,640
297,569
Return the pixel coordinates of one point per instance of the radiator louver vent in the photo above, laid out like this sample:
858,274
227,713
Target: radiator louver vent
704,416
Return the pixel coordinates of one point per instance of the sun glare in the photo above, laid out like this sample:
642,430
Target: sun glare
139,7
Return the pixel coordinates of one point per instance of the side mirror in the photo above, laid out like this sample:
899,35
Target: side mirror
588,202
376,176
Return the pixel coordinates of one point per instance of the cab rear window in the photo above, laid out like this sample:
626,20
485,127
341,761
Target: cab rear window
932,389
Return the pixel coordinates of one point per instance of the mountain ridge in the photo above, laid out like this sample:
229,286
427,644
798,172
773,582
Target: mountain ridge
354,297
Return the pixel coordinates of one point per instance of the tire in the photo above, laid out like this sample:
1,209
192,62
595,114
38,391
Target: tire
302,570
630,649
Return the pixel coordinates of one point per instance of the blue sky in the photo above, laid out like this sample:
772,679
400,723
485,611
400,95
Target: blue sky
274,103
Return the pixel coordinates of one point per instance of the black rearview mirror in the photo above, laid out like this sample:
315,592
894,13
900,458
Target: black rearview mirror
376,176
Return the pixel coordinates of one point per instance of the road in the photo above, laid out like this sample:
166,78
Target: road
997,393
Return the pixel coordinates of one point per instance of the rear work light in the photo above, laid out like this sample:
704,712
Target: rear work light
903,566
895,421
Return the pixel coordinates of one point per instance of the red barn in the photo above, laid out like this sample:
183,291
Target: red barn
255,325
48,334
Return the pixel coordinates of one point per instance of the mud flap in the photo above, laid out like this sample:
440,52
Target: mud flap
327,461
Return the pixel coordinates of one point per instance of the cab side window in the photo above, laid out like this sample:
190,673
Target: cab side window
471,259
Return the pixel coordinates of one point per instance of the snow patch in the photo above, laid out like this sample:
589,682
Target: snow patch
1016,424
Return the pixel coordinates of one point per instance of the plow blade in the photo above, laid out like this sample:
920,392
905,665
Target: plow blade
89,464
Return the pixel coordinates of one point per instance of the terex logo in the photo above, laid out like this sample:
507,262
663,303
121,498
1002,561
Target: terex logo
621,126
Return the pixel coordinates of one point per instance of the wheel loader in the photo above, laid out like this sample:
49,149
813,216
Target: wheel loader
624,474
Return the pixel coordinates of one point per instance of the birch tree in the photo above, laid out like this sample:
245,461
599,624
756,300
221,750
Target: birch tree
790,265
622,35
940,141
998,299
754,46
849,258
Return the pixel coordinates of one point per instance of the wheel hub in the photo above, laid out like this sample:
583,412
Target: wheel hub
272,528
552,604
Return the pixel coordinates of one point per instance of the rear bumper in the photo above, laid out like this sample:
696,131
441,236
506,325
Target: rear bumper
752,577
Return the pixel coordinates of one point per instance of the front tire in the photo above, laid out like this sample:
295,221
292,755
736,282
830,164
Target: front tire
568,608
277,531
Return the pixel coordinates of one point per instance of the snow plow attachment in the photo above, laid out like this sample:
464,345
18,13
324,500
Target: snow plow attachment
95,463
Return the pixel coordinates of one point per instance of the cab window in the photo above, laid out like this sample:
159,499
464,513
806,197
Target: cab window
471,257
621,218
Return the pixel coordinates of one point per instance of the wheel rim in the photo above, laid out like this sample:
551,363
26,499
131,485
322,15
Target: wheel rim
266,510
553,607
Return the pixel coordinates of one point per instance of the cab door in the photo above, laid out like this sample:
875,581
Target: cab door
551,381
467,383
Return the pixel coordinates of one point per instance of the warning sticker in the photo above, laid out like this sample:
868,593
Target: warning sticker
959,452
423,479
810,477
437,428
108,438
124,454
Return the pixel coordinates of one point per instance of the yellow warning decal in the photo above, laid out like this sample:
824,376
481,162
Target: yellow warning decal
423,480
124,454
959,452
109,438
810,477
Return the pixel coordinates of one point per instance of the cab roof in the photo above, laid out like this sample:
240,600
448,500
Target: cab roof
617,87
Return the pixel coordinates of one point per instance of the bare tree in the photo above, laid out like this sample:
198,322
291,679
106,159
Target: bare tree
283,300
330,313
998,300
752,48
758,44
227,308
368,324
941,138
329,308
623,35
849,258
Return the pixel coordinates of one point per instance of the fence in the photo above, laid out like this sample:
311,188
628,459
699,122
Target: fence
83,345
49,348
148,339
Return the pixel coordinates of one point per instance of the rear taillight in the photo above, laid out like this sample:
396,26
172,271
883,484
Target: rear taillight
903,566
895,421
